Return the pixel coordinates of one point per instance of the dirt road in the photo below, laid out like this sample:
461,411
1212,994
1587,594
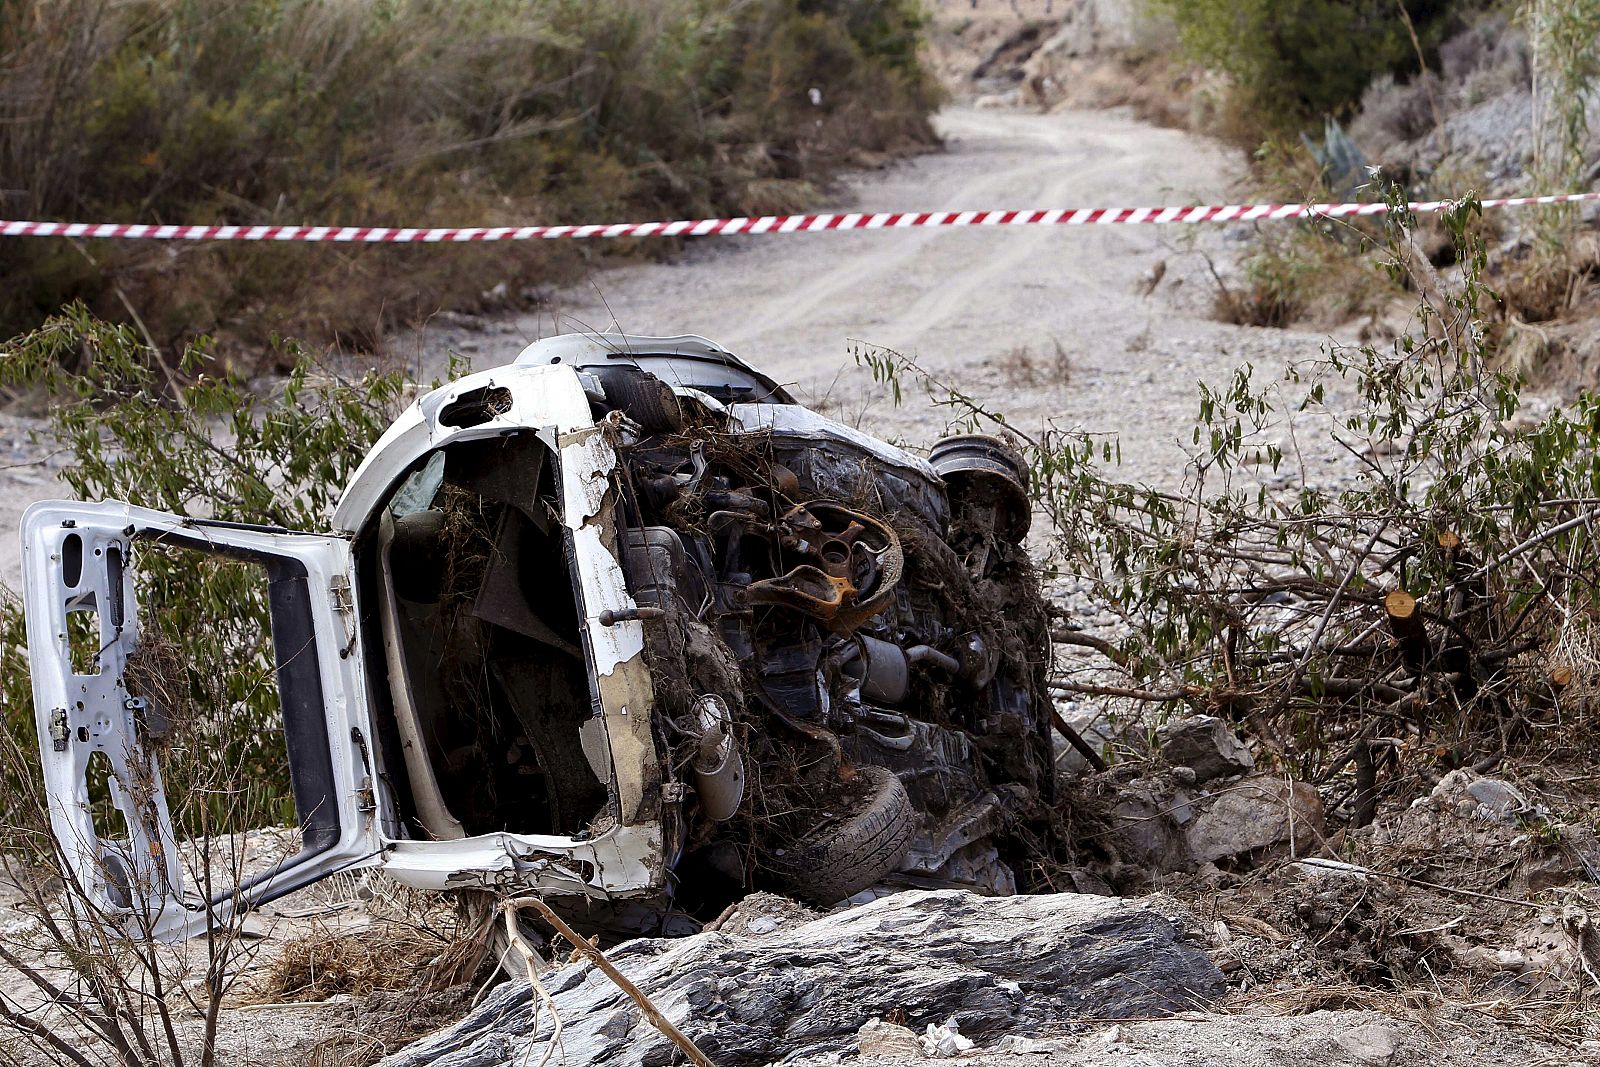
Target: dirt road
1048,322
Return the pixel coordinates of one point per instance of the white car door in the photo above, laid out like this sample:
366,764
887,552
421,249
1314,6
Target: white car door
81,558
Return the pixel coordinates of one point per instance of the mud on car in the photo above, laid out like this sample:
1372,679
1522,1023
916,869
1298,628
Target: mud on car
619,623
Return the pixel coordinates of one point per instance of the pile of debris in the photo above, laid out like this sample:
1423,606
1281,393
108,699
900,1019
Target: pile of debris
1198,804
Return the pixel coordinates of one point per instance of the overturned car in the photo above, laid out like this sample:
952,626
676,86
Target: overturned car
619,623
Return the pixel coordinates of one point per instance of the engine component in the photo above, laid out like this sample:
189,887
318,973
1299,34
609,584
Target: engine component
978,661
854,562
719,765
657,568
919,655
985,472
881,669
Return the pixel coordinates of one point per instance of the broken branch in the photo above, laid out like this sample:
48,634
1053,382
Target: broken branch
1083,640
1407,627
1088,689
1075,739
530,964
598,958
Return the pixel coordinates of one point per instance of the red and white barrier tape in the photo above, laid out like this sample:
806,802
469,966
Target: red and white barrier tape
764,224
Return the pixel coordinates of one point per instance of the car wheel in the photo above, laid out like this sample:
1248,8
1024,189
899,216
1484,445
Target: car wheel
840,860
646,399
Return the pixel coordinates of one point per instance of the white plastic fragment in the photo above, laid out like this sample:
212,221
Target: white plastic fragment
943,1040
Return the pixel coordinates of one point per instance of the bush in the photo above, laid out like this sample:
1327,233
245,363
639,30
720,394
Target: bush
287,456
411,112
1294,61
1437,607
1314,273
199,442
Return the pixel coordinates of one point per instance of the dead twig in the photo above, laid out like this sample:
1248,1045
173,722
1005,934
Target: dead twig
1424,884
598,958
530,963
1063,636
1151,695
1076,740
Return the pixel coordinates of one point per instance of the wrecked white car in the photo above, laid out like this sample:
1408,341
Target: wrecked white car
619,624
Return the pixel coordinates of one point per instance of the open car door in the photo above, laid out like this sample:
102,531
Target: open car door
103,742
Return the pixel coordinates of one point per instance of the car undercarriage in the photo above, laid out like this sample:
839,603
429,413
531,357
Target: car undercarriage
639,633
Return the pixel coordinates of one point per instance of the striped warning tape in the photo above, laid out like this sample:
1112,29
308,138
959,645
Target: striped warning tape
893,220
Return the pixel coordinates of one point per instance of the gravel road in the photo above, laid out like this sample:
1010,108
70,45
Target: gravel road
975,305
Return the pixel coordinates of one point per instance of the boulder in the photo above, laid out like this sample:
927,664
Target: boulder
1165,825
979,966
1206,745
1149,815
1255,815
1092,28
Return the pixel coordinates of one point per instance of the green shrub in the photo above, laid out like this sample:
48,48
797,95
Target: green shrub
1260,587
283,458
411,112
1292,61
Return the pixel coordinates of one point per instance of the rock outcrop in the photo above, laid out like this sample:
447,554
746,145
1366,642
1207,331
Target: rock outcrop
994,965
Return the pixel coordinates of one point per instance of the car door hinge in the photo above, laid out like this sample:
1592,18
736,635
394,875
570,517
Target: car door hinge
366,796
344,603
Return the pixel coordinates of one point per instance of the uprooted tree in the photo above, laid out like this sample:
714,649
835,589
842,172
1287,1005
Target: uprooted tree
1438,606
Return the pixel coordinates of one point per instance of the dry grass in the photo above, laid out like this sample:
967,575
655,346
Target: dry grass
1318,274
411,970
415,942
1021,366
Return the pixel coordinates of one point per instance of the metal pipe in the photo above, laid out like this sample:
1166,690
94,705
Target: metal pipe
919,654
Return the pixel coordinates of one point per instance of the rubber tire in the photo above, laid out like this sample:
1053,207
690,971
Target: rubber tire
840,861
645,399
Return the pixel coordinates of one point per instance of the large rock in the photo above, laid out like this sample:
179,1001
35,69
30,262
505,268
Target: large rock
1162,824
996,965
1257,815
1206,745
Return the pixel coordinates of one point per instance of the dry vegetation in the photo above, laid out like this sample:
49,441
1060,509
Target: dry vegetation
412,112
1487,99
1437,606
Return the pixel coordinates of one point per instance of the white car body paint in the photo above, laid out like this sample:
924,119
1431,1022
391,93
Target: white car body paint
626,859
